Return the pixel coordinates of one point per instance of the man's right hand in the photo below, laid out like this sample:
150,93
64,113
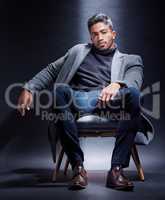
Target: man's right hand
24,101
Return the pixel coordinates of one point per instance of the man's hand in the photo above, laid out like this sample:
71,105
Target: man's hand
108,93
24,101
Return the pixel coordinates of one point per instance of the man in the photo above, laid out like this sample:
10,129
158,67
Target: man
98,71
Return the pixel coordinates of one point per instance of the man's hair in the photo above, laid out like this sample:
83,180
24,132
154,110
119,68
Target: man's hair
100,17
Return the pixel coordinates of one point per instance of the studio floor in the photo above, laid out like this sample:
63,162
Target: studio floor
33,183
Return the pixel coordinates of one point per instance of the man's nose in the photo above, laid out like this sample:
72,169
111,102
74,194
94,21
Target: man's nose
100,37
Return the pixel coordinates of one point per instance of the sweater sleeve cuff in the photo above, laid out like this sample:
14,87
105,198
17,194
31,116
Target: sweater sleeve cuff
29,87
122,83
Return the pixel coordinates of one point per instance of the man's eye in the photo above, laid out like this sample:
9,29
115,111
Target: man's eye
94,35
104,32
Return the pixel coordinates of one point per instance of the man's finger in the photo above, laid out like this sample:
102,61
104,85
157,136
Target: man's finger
113,95
27,107
21,109
104,97
108,97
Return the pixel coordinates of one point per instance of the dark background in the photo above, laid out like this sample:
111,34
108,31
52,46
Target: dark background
35,33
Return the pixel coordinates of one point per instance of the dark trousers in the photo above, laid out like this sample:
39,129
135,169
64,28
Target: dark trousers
128,102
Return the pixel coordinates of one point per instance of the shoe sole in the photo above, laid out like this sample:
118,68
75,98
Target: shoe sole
76,187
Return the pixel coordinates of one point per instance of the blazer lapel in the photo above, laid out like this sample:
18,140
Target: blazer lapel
79,59
116,66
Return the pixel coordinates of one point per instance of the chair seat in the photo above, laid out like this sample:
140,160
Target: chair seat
95,123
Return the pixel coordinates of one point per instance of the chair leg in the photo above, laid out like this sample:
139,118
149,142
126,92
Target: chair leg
66,166
59,161
136,159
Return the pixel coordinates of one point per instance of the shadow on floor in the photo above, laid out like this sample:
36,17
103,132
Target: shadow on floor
30,177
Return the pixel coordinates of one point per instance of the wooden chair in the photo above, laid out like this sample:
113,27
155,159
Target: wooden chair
94,126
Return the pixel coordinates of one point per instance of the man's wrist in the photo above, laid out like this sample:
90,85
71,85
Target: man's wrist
121,84
116,84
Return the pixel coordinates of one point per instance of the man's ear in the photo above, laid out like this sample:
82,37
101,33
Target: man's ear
114,34
91,38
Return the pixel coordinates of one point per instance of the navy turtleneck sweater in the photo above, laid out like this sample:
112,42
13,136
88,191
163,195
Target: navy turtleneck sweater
95,71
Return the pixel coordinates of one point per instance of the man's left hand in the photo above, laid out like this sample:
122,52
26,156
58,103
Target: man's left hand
109,92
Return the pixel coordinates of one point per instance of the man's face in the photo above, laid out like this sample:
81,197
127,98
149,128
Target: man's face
102,36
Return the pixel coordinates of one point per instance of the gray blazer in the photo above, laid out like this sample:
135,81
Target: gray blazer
126,69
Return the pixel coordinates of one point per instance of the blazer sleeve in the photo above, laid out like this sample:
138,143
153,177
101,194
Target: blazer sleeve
133,75
46,77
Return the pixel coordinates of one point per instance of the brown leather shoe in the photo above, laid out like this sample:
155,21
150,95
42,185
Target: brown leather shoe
117,180
79,179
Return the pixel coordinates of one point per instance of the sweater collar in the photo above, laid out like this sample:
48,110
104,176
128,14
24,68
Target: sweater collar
105,51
